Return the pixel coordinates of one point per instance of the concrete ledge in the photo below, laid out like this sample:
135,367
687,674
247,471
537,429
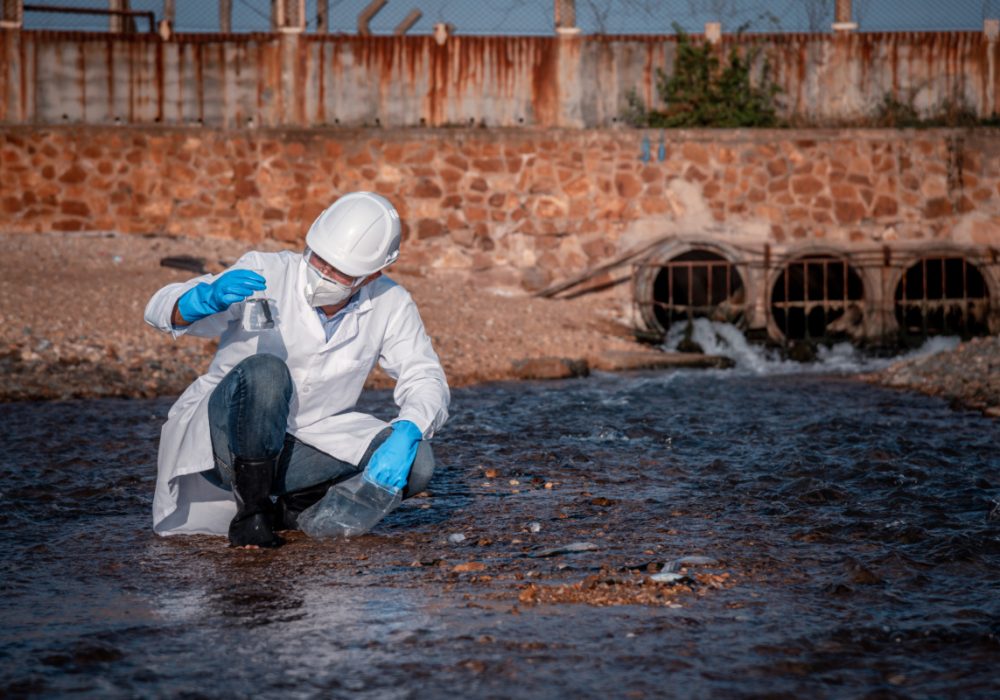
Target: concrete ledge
623,360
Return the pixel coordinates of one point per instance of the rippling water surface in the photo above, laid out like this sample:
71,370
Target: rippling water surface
859,528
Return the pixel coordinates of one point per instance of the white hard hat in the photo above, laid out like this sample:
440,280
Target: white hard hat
358,234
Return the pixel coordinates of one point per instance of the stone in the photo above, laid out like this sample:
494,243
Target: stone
777,167
693,174
430,228
73,175
550,208
488,165
450,176
74,208
427,189
937,207
885,206
806,185
550,368
848,212
627,185
695,153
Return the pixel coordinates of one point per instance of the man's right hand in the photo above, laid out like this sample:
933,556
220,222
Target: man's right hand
207,299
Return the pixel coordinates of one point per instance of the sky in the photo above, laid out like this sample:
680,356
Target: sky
535,17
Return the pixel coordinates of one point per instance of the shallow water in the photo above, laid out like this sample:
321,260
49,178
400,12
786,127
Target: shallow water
854,523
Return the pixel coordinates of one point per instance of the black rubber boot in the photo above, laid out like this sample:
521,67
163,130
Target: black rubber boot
291,504
252,524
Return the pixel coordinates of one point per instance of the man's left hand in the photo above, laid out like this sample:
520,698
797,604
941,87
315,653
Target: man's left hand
391,462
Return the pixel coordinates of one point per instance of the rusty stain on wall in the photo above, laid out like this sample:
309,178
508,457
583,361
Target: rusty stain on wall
315,80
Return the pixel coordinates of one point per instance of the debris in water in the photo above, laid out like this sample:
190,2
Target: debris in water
468,566
693,560
995,513
534,527
669,577
456,537
570,548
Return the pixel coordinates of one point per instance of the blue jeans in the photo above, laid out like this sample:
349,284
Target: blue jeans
248,413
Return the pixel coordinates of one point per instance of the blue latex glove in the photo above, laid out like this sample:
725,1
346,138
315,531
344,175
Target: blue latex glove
207,299
391,462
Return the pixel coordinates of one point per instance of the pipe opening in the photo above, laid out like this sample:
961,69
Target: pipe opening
818,297
696,284
942,296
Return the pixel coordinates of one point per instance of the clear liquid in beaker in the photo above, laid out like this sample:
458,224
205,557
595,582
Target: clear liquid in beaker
258,314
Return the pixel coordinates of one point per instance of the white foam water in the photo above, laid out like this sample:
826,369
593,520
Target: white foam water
842,358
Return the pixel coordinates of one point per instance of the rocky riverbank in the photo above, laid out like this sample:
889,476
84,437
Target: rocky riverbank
71,326
968,376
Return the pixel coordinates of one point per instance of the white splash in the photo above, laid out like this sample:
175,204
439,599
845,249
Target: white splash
842,358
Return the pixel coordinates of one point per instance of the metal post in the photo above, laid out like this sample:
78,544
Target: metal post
991,29
288,16
565,17
408,22
118,24
713,32
322,16
226,16
842,17
366,16
277,15
13,14
295,16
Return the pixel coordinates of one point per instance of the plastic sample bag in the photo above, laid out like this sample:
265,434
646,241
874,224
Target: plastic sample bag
349,509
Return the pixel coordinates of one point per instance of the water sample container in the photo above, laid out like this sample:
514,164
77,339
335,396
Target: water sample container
258,312
350,508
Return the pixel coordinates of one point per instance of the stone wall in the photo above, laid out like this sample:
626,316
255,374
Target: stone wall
518,206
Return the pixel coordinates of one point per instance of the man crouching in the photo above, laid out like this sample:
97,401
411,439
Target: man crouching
274,415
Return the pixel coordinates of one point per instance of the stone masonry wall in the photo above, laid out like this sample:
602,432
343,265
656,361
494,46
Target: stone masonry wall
520,207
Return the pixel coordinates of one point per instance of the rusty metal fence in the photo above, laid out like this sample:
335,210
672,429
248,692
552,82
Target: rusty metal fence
512,17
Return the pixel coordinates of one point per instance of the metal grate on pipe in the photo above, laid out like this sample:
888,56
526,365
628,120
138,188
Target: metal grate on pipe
942,296
695,284
818,297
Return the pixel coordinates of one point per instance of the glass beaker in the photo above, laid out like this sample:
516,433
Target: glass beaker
258,309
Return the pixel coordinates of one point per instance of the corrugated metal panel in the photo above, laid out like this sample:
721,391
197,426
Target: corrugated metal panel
289,80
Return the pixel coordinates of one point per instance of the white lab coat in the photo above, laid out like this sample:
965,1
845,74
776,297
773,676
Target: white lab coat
382,326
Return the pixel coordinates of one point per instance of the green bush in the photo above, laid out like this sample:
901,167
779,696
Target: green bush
893,113
704,92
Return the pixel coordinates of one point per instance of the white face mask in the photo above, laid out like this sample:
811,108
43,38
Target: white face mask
321,291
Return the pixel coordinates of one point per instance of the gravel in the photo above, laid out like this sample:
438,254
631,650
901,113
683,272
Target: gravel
71,321
968,376
71,326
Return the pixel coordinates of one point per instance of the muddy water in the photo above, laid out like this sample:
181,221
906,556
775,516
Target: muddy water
851,528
